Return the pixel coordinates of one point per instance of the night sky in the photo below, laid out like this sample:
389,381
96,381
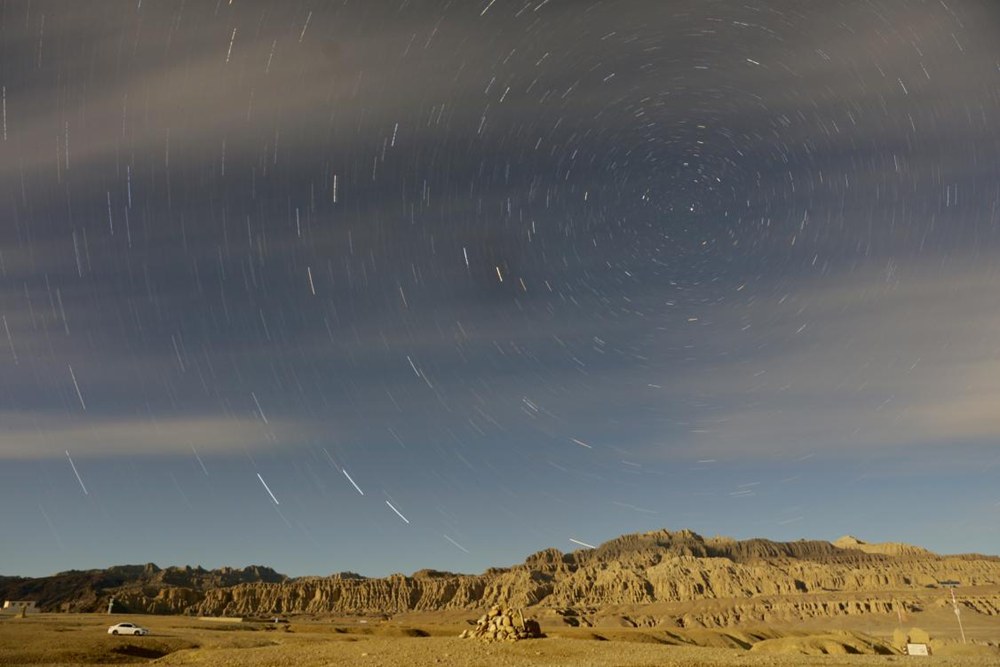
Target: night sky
379,285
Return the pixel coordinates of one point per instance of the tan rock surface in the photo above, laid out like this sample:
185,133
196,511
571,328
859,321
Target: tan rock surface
784,580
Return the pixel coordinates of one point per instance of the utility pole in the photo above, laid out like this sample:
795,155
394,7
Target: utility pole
958,613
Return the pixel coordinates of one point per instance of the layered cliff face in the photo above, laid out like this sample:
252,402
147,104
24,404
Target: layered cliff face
151,588
888,548
762,580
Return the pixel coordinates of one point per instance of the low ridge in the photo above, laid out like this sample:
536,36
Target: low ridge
654,568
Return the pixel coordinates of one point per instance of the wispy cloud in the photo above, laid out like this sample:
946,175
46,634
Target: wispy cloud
871,359
41,435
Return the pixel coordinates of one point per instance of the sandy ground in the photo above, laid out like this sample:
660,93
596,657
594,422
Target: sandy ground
56,639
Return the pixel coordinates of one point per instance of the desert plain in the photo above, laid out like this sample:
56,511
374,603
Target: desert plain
56,639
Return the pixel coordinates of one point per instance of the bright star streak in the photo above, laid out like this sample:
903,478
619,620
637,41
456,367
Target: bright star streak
397,512
77,387
75,472
352,482
268,489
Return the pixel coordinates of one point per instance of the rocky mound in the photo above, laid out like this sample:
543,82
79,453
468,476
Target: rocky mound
500,625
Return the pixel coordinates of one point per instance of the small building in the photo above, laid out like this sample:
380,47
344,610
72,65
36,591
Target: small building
14,607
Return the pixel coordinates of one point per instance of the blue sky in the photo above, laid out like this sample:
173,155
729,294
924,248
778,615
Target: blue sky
380,287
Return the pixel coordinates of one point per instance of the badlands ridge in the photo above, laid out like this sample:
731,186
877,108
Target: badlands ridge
654,579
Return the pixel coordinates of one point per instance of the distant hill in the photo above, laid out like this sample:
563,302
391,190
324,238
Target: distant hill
91,590
654,570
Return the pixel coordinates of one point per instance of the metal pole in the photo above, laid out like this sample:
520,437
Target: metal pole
958,614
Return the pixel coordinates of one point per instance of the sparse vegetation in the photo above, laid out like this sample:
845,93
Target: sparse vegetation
431,638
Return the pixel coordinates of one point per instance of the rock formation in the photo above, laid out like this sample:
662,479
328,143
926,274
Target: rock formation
500,625
146,588
759,580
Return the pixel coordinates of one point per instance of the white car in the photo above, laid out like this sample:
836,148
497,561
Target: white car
127,629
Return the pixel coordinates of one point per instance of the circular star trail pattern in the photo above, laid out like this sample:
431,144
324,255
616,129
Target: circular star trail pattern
379,286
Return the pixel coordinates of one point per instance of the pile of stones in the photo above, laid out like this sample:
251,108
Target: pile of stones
499,625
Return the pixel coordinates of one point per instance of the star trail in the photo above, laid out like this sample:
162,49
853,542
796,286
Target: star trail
537,273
